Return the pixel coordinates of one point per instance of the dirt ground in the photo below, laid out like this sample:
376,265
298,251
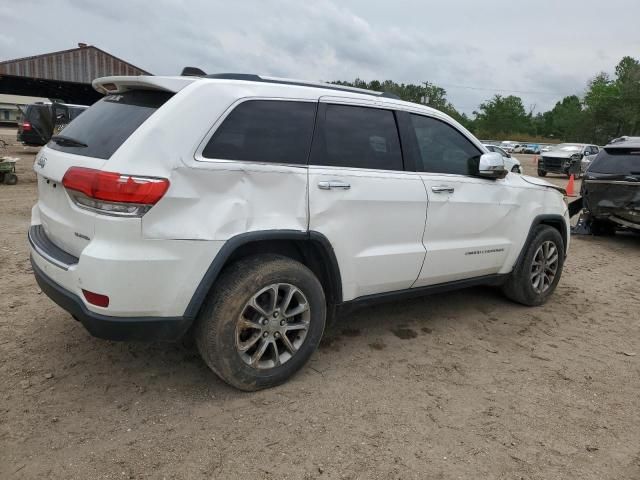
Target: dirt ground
464,385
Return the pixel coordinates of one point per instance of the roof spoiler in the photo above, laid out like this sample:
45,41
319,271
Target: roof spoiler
120,84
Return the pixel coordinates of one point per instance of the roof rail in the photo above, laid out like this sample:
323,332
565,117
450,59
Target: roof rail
251,77
623,139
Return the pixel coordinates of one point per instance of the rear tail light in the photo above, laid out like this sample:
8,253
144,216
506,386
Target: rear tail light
113,193
26,127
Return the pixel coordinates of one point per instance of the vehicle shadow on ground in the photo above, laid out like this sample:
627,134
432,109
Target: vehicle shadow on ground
105,369
157,368
621,240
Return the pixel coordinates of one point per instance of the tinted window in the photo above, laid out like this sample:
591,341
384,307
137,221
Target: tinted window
106,125
621,161
265,131
359,137
443,149
41,120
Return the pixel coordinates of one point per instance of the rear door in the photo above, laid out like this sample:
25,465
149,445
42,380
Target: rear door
468,217
361,198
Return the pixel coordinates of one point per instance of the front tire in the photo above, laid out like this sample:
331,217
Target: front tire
542,173
262,321
536,276
516,169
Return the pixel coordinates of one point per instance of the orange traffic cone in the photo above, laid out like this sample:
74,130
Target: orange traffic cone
570,190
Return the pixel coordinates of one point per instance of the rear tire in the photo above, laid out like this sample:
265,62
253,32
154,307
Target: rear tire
10,179
249,334
536,276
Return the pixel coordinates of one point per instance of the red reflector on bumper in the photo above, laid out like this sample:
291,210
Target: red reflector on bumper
96,299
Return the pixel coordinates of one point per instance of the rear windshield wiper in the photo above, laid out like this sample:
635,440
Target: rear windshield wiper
67,141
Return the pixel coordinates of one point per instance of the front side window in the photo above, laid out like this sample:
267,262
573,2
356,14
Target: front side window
443,149
272,131
359,137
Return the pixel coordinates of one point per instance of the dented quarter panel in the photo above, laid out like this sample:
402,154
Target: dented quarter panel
211,199
218,200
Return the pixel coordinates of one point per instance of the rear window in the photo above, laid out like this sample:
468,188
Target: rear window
621,161
106,125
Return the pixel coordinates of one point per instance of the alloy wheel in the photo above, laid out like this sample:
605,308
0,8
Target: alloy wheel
272,326
544,267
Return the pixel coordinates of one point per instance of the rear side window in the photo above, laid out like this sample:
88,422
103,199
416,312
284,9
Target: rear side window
106,125
359,137
443,149
620,161
273,131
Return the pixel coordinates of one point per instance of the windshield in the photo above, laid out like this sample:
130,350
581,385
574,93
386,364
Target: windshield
101,129
567,147
620,161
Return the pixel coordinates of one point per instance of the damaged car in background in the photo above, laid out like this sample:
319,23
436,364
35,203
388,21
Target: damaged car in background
610,193
567,159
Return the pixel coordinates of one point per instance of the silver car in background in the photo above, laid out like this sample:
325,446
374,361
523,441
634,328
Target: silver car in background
568,159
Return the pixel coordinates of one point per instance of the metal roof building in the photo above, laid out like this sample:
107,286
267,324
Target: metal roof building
80,65
66,74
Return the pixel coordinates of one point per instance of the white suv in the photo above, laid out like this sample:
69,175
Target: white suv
250,211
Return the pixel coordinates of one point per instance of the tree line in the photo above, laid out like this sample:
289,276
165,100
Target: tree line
609,108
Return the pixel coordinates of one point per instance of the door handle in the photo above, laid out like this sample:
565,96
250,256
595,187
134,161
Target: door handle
333,184
442,189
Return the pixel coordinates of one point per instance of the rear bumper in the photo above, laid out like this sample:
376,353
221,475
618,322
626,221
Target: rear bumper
109,327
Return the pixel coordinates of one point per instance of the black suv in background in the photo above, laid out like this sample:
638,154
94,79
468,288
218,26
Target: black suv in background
38,122
611,188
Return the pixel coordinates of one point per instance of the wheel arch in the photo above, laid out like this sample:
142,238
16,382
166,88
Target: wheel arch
552,220
312,249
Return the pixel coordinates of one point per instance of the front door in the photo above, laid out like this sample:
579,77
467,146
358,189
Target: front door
468,217
370,209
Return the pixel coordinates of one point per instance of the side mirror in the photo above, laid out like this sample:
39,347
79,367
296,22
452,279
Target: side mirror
491,165
508,155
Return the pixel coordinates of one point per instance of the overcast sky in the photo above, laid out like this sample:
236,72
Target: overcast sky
549,48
